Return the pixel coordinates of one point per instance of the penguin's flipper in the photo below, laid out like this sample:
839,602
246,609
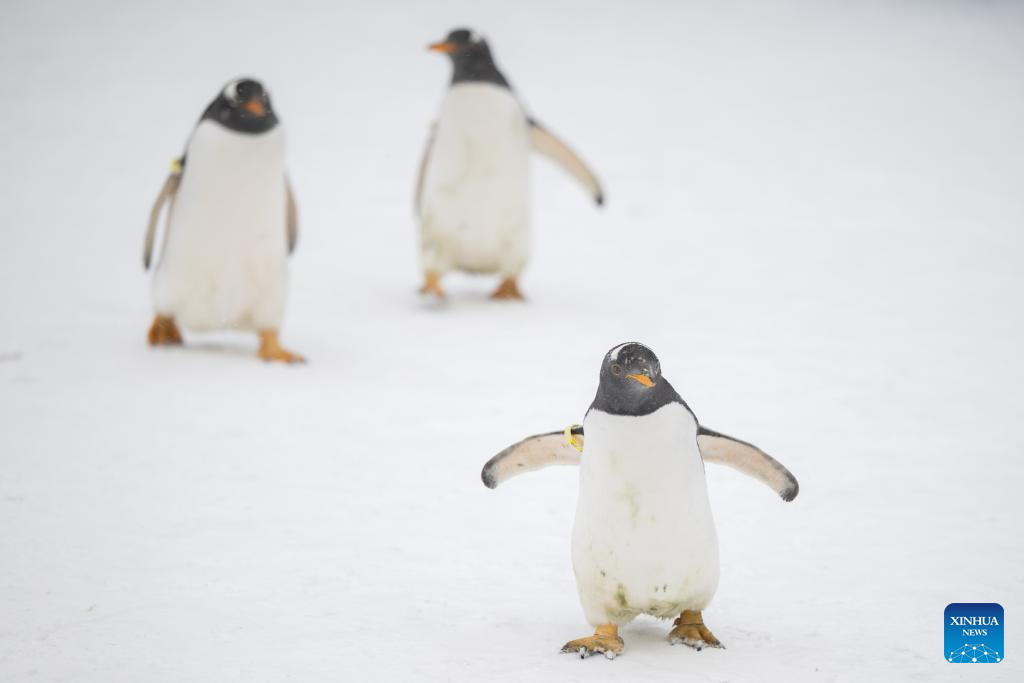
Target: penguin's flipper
166,196
421,175
292,217
749,459
545,142
533,453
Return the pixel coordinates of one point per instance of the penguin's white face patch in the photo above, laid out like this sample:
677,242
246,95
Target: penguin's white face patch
614,353
231,92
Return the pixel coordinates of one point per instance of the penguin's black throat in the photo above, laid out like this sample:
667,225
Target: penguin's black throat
471,58
244,107
631,382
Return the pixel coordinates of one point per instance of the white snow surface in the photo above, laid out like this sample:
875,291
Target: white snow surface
814,218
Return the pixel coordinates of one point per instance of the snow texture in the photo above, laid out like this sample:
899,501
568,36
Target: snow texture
814,218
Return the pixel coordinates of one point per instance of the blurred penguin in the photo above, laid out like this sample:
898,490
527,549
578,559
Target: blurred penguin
472,193
231,223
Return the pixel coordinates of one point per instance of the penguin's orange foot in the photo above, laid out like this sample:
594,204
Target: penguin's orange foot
508,289
163,332
605,641
271,349
432,285
691,631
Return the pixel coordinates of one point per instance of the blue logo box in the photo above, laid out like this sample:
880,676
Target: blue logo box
974,633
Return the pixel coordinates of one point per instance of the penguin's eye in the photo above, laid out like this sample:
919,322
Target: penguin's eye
616,369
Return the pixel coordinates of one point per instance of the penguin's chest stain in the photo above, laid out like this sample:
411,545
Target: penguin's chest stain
628,498
632,492
636,574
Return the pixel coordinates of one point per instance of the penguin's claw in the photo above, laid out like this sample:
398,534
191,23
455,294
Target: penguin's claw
432,286
508,290
163,332
691,631
271,349
605,641
696,643
281,356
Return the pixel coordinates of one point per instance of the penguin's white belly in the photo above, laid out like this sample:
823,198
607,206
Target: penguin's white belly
224,261
644,539
474,213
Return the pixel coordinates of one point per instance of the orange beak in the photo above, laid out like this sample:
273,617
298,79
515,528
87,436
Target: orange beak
642,379
442,47
255,107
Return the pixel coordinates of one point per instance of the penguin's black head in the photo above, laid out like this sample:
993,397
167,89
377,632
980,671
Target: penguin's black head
460,41
243,106
631,382
471,58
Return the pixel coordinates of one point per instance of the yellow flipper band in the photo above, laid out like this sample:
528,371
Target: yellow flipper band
176,167
572,438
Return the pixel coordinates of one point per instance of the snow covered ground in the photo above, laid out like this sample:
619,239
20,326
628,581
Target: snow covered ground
815,219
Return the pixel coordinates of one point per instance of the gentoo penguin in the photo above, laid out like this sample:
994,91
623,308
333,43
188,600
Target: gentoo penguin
472,190
644,539
231,223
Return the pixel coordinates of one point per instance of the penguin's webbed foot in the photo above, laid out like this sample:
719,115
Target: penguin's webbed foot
163,332
271,349
605,641
508,290
691,631
432,285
